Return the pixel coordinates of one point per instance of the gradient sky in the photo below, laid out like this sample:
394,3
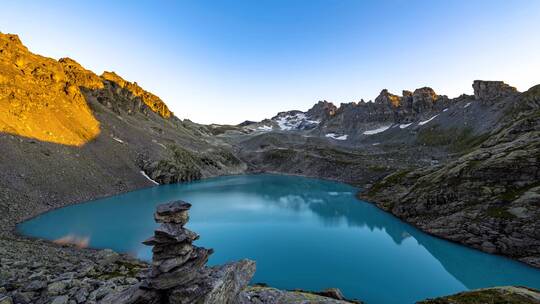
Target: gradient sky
228,61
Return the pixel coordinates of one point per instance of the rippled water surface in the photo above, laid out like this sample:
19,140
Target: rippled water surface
303,233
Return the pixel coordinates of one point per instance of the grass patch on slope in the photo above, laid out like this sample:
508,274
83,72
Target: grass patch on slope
456,139
388,181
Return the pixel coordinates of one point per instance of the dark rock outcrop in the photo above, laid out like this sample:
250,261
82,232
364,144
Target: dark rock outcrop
423,99
387,109
152,101
489,90
388,98
322,110
506,294
178,273
183,165
269,295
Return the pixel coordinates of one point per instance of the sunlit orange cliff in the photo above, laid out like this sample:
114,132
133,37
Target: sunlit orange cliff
41,97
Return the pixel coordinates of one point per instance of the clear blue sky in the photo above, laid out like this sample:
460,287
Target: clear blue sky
228,61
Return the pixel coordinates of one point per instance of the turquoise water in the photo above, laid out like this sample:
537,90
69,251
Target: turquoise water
303,233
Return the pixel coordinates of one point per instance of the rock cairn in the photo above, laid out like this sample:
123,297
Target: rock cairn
178,273
175,261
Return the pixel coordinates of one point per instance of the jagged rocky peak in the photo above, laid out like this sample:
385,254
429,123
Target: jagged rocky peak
80,76
322,110
386,97
424,94
11,46
489,90
423,99
347,106
152,101
246,123
179,274
406,93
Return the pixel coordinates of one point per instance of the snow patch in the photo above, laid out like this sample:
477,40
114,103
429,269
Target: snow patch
403,126
375,131
468,104
335,136
148,177
265,128
426,121
293,122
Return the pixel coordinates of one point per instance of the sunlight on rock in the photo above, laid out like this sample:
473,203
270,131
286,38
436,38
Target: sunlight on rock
40,96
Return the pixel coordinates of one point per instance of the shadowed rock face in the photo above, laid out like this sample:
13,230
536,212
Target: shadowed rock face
178,273
322,110
489,90
387,109
388,98
152,101
269,295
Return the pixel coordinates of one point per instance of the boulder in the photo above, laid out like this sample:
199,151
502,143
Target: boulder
5,300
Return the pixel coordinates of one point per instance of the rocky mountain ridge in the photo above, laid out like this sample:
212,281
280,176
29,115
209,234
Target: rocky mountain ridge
353,120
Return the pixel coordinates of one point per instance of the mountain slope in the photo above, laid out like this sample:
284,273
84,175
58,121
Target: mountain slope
68,135
487,198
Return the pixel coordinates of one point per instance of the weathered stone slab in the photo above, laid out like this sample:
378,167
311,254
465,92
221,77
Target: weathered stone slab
173,212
